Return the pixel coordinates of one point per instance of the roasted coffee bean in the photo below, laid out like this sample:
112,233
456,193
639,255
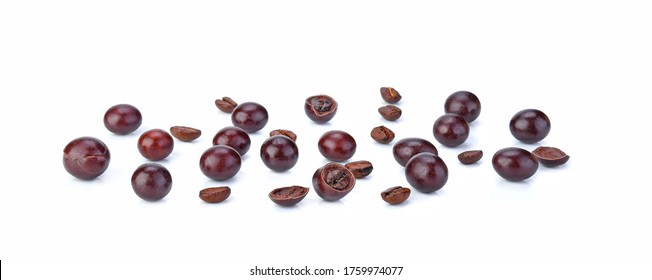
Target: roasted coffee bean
283,132
225,104
470,157
185,133
382,134
395,195
288,196
360,169
390,95
215,194
550,156
390,112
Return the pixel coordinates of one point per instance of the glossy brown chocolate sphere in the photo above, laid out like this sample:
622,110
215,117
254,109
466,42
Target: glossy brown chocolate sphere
122,119
515,164
450,130
426,172
233,137
279,153
406,148
529,126
155,144
463,103
151,181
220,162
86,158
250,116
337,145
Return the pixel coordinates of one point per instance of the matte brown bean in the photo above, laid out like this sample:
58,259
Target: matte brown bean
550,156
283,132
382,134
395,195
390,112
470,157
185,133
225,104
360,169
390,95
215,194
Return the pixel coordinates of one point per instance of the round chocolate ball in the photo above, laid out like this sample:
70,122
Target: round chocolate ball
406,148
220,162
279,153
122,119
337,145
463,103
529,126
151,181
250,116
86,158
155,144
426,172
450,130
515,164
233,137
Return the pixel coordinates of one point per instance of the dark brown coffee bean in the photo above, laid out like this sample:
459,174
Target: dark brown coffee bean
215,194
283,132
185,133
390,112
360,169
550,156
288,196
470,157
382,134
395,195
390,95
225,104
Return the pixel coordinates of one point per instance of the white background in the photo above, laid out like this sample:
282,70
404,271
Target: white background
586,64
